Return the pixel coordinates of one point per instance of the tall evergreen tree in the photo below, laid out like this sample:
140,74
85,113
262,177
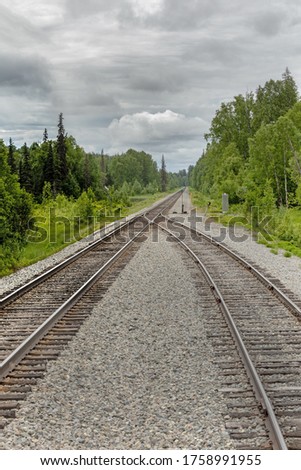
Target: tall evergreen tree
290,89
61,150
15,207
4,168
103,170
87,172
163,175
102,162
11,156
26,180
45,136
49,169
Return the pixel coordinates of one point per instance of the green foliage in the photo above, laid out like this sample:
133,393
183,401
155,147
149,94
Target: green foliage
84,205
70,170
233,123
47,194
11,157
57,223
255,143
298,192
68,188
26,171
62,168
274,100
136,188
163,175
132,166
151,188
254,155
15,212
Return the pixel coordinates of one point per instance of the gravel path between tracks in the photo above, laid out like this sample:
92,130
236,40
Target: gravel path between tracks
139,374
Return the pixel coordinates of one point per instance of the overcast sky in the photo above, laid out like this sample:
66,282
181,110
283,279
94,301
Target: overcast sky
145,74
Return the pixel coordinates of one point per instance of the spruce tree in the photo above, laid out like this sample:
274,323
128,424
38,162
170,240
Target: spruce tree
290,90
163,175
49,169
11,157
103,169
26,181
61,151
87,172
45,136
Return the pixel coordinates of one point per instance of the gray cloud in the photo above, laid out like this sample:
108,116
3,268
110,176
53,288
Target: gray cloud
170,15
270,23
79,8
24,74
17,31
192,15
115,67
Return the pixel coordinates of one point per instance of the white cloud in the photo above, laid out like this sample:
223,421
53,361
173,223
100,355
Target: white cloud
145,127
144,8
175,135
38,12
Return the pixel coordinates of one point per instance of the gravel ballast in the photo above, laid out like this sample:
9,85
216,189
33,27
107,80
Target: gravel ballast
239,239
140,373
106,392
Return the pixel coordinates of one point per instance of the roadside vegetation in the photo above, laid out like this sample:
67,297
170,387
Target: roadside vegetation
53,193
254,155
61,222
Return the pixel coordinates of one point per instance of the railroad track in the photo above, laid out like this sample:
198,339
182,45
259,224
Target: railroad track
257,343
261,414
38,319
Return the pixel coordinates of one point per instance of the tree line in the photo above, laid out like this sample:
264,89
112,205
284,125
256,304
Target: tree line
43,171
253,149
62,167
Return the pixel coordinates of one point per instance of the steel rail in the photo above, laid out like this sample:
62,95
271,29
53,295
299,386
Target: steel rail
55,269
58,267
18,354
272,423
283,297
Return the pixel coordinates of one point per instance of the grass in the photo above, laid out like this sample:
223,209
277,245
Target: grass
284,228
140,202
56,225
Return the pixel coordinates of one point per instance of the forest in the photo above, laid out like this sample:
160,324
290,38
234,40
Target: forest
58,177
253,154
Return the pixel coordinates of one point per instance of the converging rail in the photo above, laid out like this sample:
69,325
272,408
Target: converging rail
260,318
142,216
256,340
49,303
